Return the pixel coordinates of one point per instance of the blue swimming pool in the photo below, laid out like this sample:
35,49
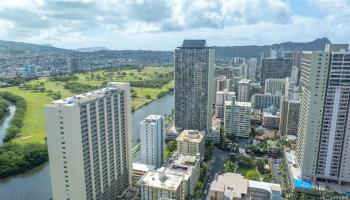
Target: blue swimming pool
299,183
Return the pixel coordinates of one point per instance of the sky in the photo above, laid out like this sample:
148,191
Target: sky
163,24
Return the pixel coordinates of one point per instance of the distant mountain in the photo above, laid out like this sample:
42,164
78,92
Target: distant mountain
19,47
91,49
255,51
225,52
48,45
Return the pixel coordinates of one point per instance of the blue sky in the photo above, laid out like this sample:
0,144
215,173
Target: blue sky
163,24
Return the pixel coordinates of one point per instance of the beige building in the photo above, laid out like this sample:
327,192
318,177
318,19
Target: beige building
235,187
228,186
191,142
186,165
159,184
90,157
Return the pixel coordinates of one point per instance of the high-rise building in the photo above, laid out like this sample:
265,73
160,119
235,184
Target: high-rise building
221,98
289,117
252,66
323,147
227,117
244,71
194,92
222,83
89,144
291,90
295,74
263,101
191,142
275,86
244,90
275,68
152,140
73,64
238,120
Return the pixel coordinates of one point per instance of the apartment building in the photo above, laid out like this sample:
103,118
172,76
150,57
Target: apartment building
191,142
89,144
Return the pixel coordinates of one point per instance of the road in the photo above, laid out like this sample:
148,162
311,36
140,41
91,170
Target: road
218,166
275,169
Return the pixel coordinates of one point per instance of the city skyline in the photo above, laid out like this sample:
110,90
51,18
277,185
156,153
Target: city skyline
134,25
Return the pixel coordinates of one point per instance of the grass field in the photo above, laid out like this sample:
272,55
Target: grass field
33,130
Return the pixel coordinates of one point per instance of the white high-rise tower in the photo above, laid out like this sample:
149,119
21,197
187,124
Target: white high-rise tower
89,144
152,140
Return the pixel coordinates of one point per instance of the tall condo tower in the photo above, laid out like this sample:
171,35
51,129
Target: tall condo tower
89,144
323,147
194,81
152,140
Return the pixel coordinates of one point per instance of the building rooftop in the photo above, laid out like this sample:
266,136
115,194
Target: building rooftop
194,136
243,104
151,119
244,81
271,115
233,185
194,44
181,164
160,179
142,167
89,96
265,186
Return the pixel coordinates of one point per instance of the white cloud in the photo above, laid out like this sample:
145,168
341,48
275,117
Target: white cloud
138,23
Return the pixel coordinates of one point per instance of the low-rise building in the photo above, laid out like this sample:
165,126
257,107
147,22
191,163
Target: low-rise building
271,120
258,190
236,187
138,170
188,166
157,184
191,142
228,186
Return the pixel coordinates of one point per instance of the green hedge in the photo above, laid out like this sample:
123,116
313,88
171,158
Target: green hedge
17,120
19,158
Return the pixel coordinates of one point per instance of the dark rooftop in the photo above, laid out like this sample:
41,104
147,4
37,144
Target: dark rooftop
194,44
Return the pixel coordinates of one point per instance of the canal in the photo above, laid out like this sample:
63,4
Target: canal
5,123
36,185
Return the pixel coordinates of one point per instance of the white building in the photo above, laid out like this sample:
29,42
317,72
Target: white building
295,73
152,140
159,184
221,97
89,144
237,118
244,90
241,113
275,86
323,147
292,90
